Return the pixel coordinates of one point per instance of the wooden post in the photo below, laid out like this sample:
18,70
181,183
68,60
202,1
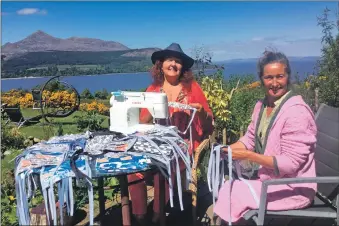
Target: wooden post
224,136
213,136
316,99
39,217
241,131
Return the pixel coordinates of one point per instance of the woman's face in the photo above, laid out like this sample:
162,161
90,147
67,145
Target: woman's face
172,68
275,80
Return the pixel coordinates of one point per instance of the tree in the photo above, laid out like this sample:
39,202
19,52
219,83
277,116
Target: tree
328,77
105,94
202,61
86,94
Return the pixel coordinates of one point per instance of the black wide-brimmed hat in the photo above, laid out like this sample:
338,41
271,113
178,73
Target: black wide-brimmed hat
174,50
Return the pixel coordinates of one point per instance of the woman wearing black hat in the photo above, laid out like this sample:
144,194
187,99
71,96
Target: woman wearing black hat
172,75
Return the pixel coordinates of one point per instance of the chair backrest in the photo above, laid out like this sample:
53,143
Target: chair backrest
327,149
14,114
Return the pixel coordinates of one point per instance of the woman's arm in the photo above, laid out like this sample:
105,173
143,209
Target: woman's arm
265,161
238,145
239,152
297,137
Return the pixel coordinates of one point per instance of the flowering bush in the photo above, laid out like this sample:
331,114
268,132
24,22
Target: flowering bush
61,99
58,99
11,98
95,107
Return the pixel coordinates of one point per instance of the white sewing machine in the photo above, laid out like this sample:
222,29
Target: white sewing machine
124,111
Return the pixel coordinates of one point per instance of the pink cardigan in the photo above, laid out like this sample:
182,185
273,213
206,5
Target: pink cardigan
292,141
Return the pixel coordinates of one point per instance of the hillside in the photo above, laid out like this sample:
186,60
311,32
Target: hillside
41,54
40,41
50,58
40,51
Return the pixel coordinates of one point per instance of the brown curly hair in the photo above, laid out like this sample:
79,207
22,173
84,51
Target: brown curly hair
185,78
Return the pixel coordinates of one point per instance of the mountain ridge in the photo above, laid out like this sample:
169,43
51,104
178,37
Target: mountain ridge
40,41
91,55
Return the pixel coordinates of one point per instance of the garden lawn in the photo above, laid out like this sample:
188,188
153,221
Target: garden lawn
42,130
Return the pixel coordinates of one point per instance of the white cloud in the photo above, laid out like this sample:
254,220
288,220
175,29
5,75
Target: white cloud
254,47
257,39
31,11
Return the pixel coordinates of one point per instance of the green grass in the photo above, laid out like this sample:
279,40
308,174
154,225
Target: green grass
7,163
42,130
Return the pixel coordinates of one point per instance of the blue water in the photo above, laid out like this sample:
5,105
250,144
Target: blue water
138,81
110,82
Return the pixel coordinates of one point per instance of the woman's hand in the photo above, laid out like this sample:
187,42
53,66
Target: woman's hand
200,109
239,153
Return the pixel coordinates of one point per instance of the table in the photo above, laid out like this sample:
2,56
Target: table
123,182
63,157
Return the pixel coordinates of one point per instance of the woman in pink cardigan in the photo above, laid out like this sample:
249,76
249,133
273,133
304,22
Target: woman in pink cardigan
279,143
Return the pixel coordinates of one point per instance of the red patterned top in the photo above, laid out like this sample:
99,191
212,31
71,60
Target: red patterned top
201,128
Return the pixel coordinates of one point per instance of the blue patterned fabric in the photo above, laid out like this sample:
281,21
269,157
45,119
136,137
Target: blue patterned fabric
120,163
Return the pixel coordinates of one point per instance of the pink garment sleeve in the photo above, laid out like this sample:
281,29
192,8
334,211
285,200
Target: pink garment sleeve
249,138
297,138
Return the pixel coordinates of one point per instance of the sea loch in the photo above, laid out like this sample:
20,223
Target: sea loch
138,81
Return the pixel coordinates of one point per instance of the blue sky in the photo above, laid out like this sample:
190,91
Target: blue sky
227,29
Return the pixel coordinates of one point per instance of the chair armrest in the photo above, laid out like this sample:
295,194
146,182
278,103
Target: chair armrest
300,180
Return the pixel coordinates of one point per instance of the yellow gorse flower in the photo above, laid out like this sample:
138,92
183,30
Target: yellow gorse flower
61,99
94,106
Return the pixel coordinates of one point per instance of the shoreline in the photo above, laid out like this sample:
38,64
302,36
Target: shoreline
65,76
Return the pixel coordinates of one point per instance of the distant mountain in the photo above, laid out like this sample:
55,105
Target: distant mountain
95,56
292,58
43,50
40,41
146,52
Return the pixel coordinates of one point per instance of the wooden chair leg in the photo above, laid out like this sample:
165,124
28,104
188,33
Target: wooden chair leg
193,186
126,215
162,200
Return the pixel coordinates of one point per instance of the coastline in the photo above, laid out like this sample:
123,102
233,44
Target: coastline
32,77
